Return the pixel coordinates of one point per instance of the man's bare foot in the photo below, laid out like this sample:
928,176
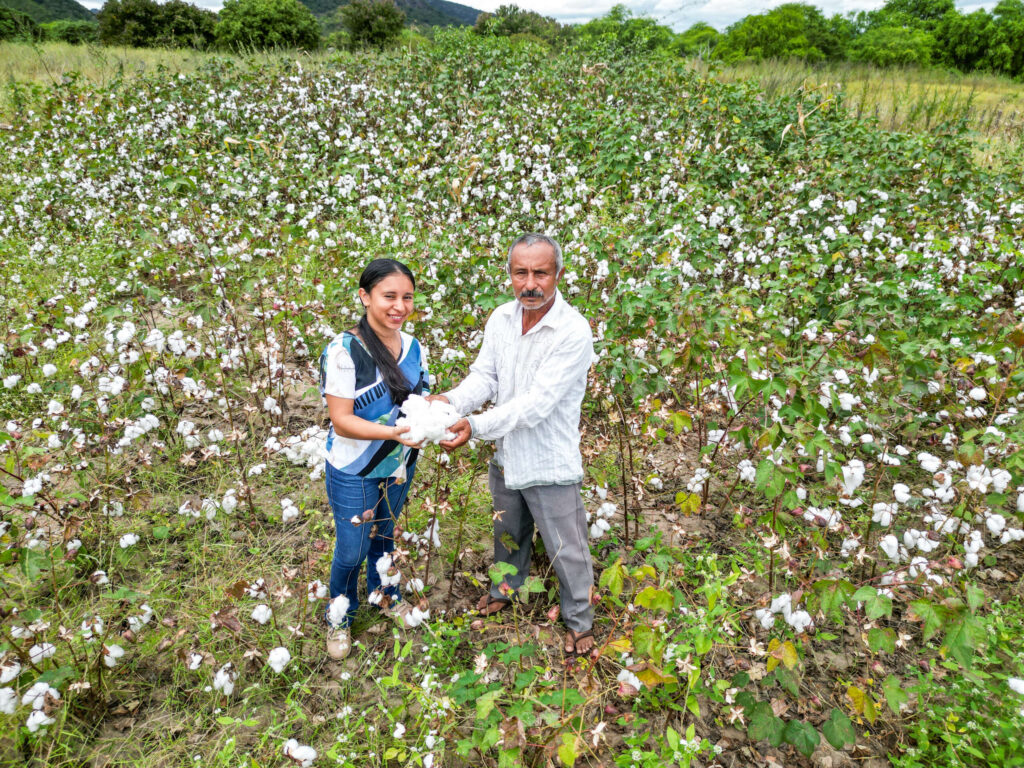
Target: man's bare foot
488,605
579,643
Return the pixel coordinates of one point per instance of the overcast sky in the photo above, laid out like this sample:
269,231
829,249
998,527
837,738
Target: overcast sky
678,14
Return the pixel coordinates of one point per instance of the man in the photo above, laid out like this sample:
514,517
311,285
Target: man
533,365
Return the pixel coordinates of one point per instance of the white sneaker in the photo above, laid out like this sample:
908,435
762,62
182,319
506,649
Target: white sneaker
339,642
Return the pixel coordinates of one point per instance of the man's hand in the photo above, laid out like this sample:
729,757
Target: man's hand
462,432
442,398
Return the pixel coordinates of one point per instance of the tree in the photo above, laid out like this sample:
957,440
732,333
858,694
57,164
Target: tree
1006,47
133,23
376,23
511,20
698,40
74,32
183,24
919,14
620,31
147,24
263,24
15,25
790,31
893,46
963,41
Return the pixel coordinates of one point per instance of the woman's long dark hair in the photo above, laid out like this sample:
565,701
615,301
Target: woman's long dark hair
374,272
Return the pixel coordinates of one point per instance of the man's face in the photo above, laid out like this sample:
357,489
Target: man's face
534,274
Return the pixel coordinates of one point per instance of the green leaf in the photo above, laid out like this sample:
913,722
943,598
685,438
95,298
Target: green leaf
485,704
568,751
161,532
33,562
801,735
929,614
838,729
765,725
500,570
880,639
962,638
975,597
875,605
225,720
672,738
56,676
613,578
894,693
655,599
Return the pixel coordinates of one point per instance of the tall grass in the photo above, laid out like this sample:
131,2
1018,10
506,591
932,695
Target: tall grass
904,99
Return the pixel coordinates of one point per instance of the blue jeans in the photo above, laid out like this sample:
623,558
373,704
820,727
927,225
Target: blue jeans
350,496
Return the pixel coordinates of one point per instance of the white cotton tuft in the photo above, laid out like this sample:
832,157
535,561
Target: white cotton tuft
901,493
262,613
224,680
387,579
890,545
8,701
111,654
978,394
278,659
338,611
300,753
1016,685
427,420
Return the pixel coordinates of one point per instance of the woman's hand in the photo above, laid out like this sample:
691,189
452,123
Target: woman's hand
399,431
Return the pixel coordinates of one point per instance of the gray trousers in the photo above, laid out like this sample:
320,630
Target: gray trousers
557,510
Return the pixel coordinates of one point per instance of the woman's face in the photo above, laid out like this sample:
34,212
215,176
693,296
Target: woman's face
388,303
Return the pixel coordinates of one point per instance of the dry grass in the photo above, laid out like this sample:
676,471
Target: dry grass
906,99
47,63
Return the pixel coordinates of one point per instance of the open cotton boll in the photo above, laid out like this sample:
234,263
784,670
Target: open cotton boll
111,653
38,719
782,604
8,701
337,611
262,613
427,420
278,659
224,680
901,493
890,545
799,620
765,617
300,753
383,567
883,514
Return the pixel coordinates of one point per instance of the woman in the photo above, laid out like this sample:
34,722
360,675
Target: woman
365,375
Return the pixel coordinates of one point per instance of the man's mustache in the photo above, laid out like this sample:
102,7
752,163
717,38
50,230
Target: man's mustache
533,293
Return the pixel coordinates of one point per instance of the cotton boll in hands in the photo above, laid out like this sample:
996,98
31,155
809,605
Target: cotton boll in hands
427,420
300,753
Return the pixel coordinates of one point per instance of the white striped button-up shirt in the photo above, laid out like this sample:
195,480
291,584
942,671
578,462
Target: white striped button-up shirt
537,381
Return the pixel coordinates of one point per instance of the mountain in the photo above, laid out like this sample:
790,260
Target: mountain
431,13
42,11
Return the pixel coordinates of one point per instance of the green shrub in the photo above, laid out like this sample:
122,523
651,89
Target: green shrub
376,23
263,24
147,24
889,46
67,31
15,25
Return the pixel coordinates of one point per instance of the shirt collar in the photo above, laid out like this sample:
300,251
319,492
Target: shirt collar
550,318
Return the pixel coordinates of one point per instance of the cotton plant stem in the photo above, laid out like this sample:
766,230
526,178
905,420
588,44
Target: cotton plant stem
624,438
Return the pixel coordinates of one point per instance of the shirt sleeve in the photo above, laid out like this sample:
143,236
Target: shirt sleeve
555,377
339,372
481,384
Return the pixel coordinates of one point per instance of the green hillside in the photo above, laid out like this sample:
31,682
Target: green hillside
42,11
433,13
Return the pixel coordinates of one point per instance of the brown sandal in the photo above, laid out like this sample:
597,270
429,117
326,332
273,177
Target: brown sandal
488,605
576,637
